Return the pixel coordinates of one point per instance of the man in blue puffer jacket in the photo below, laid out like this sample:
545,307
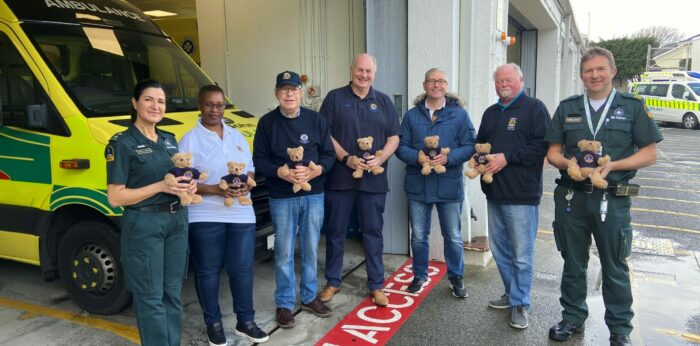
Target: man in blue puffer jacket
436,113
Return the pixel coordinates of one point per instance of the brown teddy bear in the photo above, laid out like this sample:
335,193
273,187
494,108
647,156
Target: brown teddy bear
183,168
296,159
429,151
587,163
477,164
365,144
234,180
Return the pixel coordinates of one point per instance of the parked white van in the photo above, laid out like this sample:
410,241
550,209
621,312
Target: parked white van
672,98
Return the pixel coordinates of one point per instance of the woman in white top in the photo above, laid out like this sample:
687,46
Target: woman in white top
220,236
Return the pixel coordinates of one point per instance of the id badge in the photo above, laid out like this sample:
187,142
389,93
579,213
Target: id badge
600,151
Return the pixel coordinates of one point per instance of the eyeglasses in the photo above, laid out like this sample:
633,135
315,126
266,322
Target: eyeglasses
436,81
288,90
217,106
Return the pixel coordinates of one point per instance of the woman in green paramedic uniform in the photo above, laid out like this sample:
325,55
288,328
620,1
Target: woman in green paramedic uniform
154,225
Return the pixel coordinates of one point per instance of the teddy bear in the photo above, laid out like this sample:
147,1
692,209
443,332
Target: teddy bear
365,144
478,161
588,163
235,179
296,159
429,151
183,168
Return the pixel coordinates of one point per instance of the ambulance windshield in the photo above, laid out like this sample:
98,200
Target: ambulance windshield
695,87
99,66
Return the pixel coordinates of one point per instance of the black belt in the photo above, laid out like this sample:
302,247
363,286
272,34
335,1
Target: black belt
615,190
171,208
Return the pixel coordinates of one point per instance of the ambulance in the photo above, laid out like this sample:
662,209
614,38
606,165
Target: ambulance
672,97
67,71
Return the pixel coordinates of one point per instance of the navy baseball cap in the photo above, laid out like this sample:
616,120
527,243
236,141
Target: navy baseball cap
288,78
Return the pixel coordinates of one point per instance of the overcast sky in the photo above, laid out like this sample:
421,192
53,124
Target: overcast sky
619,18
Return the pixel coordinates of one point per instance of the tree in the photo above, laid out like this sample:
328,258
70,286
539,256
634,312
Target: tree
664,35
630,55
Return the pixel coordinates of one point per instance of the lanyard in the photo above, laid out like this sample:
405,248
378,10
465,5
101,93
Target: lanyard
602,115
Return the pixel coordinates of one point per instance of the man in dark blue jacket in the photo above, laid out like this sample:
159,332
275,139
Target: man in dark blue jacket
515,126
436,114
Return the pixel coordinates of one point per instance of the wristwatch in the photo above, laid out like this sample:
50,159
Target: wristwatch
345,158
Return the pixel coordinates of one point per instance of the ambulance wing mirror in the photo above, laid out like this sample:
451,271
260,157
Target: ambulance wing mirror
688,96
36,115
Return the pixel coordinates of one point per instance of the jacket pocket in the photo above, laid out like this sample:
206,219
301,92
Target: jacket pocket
414,183
449,186
558,237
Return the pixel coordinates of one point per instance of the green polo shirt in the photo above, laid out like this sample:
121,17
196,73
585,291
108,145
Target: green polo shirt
136,161
627,127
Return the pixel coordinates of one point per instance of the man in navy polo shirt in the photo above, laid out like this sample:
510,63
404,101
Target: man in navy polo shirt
354,111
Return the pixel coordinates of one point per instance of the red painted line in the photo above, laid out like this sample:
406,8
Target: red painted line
369,324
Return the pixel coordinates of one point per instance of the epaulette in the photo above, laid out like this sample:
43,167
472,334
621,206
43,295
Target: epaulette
631,96
572,98
116,136
165,132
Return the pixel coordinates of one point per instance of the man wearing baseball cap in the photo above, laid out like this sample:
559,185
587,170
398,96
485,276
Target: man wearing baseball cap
294,210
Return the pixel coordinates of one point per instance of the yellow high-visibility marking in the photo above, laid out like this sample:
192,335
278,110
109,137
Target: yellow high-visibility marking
125,331
23,140
687,336
16,158
665,212
666,227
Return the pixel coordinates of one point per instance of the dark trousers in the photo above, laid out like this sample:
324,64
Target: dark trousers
213,247
370,207
613,239
154,256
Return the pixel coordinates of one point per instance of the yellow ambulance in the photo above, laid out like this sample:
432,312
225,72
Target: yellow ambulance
67,70
672,97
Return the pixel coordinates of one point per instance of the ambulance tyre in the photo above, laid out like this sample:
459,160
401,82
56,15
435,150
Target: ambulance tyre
690,121
88,261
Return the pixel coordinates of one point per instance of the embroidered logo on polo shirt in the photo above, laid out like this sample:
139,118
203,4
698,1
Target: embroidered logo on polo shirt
372,107
573,119
304,138
144,151
169,145
511,123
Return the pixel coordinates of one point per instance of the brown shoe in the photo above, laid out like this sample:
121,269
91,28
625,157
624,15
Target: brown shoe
379,298
285,319
317,308
327,294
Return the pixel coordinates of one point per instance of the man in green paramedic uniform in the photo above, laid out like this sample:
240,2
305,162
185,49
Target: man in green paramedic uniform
629,135
154,225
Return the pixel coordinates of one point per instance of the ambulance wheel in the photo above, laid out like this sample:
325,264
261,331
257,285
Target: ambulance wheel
690,121
88,261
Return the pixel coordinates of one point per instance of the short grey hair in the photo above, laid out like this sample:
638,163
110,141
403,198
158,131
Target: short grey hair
597,51
358,56
431,70
512,66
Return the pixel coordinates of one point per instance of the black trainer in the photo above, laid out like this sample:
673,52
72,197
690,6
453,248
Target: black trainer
620,340
563,330
215,333
417,284
457,286
251,331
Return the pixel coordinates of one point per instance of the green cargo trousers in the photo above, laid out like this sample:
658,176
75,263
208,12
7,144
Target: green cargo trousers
154,256
613,239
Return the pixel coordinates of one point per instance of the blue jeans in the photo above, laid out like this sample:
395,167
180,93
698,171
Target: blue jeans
302,216
512,232
419,213
214,246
